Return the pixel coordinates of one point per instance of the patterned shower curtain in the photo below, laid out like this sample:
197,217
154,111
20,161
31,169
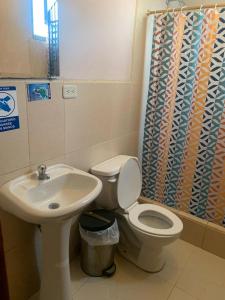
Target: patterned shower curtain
184,137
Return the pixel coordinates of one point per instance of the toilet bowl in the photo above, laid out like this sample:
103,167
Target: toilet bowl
145,229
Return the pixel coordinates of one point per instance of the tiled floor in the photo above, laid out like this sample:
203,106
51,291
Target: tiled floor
190,274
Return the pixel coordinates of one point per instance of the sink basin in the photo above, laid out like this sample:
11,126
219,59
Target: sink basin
53,203
66,192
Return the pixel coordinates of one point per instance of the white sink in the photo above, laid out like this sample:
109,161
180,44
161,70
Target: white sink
66,192
52,203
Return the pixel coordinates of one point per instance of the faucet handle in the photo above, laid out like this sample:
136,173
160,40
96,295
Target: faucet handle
42,169
42,175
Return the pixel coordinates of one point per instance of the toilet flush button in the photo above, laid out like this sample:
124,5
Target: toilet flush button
70,91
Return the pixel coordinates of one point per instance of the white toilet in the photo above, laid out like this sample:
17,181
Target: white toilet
145,229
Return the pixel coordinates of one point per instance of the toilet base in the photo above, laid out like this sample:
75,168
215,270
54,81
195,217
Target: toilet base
145,251
149,260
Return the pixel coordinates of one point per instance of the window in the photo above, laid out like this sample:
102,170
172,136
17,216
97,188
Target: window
40,24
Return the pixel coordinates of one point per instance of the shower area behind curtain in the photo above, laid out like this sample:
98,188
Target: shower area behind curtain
183,159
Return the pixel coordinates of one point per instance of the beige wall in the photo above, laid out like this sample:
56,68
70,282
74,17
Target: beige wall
197,2
19,52
101,123
100,47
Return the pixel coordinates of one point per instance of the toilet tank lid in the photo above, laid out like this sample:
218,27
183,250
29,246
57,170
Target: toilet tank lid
111,166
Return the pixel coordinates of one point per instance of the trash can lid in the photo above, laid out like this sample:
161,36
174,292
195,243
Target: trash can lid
97,220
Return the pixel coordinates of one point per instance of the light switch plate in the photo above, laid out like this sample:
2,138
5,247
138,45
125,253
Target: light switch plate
70,91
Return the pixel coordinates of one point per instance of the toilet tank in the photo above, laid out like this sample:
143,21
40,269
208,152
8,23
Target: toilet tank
108,172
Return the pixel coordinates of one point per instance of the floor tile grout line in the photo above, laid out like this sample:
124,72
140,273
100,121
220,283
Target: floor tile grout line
85,281
175,283
187,292
170,293
183,269
181,272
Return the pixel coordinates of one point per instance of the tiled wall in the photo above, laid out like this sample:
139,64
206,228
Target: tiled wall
101,123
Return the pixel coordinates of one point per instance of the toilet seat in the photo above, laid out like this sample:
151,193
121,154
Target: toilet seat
163,215
129,183
161,221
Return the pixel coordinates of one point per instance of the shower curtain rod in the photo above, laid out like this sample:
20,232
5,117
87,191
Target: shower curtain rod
184,8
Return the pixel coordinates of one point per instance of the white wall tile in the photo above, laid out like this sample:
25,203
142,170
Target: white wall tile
85,158
46,127
14,152
15,231
88,118
22,272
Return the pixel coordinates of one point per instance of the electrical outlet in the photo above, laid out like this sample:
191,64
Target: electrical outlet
70,91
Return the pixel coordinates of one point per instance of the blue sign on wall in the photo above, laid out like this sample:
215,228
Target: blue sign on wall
38,91
9,116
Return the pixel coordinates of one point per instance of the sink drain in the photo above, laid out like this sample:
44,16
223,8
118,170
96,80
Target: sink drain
53,205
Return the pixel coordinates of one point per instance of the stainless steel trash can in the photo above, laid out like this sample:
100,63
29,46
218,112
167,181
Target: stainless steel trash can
99,236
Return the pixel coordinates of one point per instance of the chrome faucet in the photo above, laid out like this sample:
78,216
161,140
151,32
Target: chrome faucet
42,175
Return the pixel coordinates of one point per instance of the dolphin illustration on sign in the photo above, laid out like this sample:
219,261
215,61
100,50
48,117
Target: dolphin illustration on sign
38,91
4,105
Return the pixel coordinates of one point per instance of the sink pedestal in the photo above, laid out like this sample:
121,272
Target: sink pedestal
55,279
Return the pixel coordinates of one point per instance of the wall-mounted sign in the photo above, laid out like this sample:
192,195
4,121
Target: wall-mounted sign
38,91
9,116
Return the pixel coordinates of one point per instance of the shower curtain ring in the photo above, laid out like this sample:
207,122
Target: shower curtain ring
182,8
216,6
200,10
